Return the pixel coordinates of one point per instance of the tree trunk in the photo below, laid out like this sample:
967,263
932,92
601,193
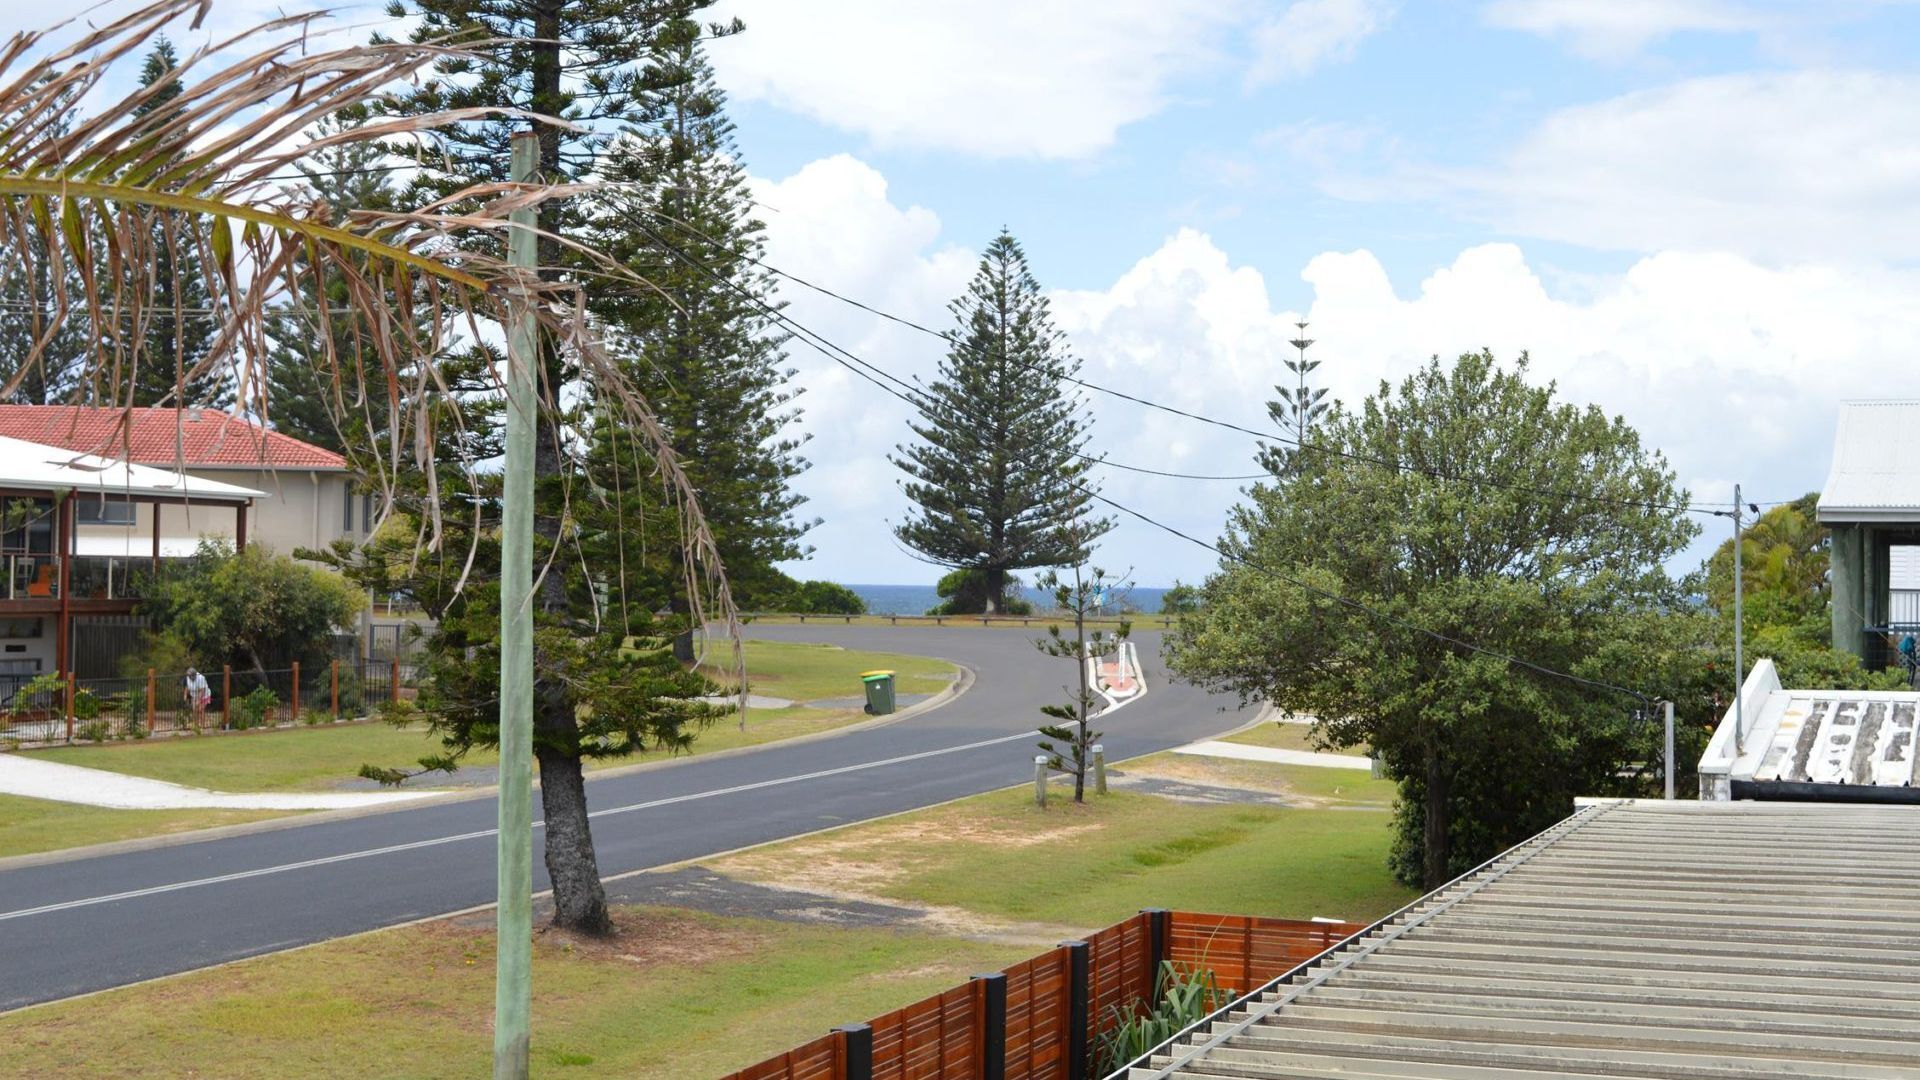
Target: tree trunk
579,900
1086,692
993,582
1437,842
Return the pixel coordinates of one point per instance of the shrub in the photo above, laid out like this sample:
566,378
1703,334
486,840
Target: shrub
1184,999
315,717
94,731
254,709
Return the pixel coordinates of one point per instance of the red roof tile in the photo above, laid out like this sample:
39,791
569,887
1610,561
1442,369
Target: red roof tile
207,438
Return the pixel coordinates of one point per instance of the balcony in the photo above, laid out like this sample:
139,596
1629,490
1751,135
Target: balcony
93,577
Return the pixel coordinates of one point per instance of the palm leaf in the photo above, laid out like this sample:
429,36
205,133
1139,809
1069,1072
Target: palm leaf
108,191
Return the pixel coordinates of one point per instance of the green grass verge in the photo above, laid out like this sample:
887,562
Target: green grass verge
1090,865
799,671
677,995
28,826
998,622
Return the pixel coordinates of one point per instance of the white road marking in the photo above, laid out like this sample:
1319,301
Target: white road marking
242,875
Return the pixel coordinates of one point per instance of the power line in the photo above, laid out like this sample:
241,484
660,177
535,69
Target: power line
1438,474
876,379
873,373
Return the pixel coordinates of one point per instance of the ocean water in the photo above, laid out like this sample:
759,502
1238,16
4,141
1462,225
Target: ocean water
916,599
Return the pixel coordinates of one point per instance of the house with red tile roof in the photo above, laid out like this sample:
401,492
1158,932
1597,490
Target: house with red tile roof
80,562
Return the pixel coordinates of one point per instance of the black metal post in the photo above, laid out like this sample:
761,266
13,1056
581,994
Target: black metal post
993,1025
1159,932
1079,957
859,1052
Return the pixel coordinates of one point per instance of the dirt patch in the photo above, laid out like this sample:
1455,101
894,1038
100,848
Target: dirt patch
1218,773
641,937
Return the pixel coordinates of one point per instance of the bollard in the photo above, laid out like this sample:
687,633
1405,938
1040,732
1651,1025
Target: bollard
1099,769
1040,781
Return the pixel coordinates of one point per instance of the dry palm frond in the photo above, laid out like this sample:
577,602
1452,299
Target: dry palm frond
189,164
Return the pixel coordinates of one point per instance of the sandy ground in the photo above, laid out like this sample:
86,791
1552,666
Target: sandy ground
1244,752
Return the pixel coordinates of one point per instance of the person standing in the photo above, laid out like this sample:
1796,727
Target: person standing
198,695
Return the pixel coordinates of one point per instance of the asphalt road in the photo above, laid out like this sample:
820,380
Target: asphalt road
90,924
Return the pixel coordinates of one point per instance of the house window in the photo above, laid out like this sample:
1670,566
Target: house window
103,512
346,508
366,512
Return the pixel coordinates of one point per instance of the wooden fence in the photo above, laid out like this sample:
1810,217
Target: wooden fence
1037,1019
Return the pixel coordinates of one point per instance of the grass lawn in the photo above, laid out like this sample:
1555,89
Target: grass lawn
803,672
33,825
678,995
288,759
1085,866
685,994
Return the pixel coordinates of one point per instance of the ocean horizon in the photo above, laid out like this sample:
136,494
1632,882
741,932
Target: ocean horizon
917,599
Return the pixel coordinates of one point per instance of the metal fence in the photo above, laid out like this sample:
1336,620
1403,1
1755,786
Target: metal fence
37,711
1040,1018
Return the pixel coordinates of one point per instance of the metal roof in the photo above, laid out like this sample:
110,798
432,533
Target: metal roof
1876,463
1822,744
1758,940
37,467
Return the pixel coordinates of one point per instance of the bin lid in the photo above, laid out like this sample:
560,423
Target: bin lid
869,676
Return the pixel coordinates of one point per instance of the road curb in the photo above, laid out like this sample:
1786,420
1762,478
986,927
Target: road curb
962,682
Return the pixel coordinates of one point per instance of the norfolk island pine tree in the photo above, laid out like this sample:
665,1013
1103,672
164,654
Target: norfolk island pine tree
998,476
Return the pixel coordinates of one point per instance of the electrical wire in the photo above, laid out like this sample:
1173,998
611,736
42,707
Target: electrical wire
880,378
1692,508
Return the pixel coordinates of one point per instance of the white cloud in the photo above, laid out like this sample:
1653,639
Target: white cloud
1733,368
1000,78
1784,166
1311,33
1615,29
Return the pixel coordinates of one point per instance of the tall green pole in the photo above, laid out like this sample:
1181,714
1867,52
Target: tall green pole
513,951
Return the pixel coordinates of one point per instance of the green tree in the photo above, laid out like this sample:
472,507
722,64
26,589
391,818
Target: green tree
1562,568
252,609
45,332
311,389
1786,602
1298,408
969,592
998,476
179,327
1181,599
1068,742
701,342
588,63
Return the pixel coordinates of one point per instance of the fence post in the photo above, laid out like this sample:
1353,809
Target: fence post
334,677
70,689
856,1056
1099,769
993,1025
226,696
1079,955
394,695
151,715
1159,934
293,710
1040,781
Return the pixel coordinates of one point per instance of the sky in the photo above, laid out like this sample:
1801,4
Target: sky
1697,214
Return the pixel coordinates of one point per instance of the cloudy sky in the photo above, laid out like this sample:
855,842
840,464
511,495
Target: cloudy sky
1699,214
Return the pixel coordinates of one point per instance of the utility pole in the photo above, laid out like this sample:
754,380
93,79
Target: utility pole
1668,705
1739,638
513,946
